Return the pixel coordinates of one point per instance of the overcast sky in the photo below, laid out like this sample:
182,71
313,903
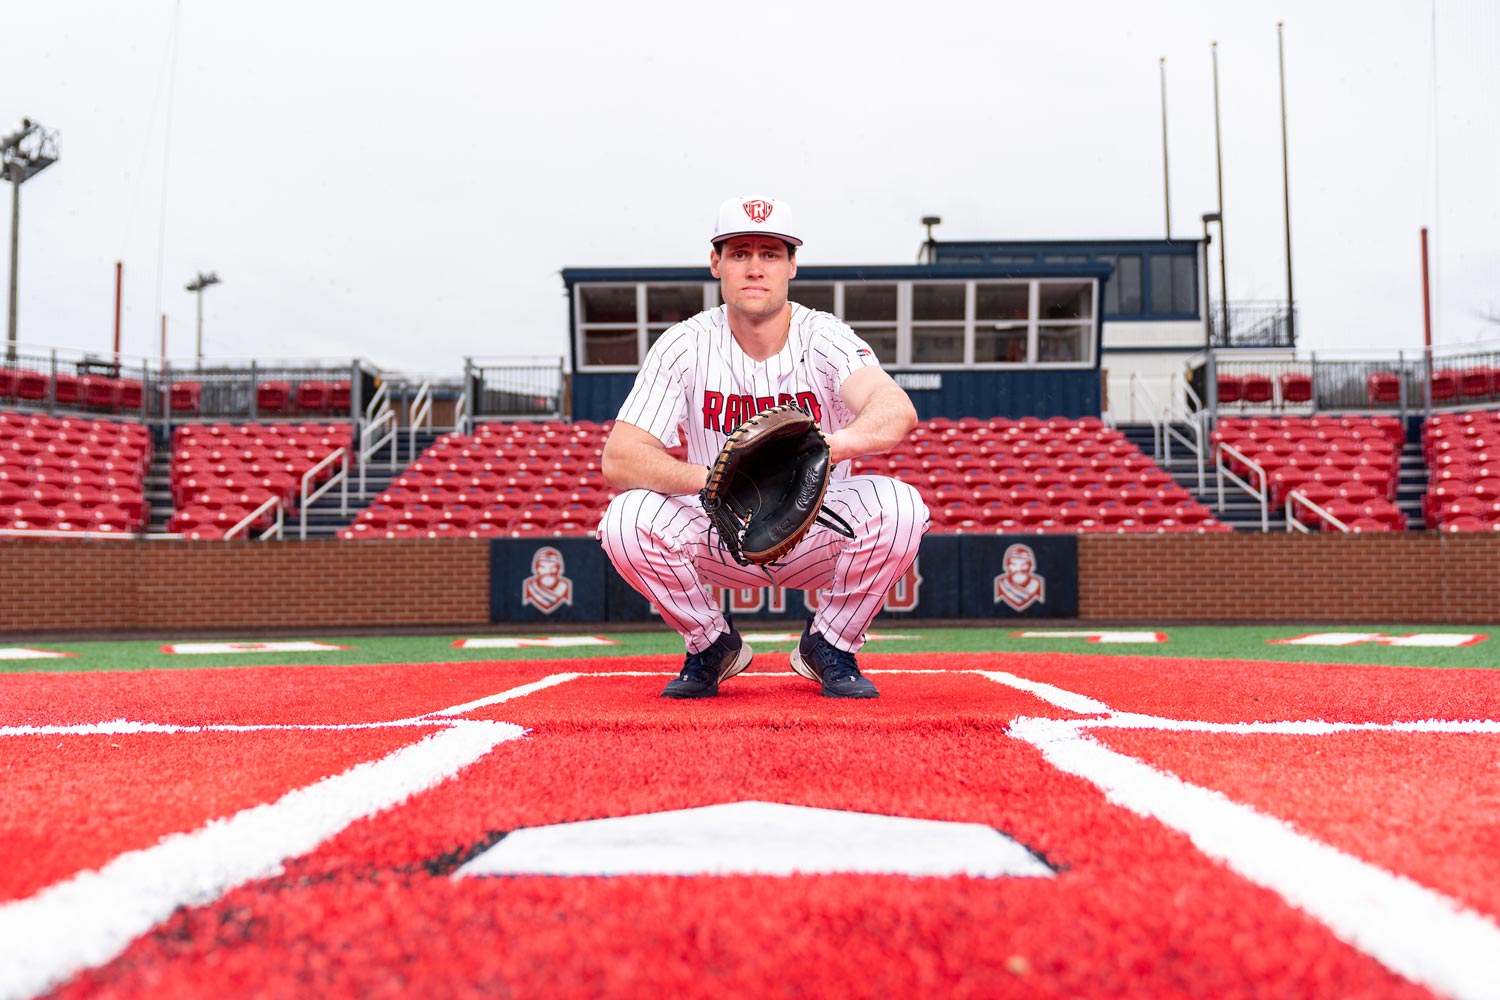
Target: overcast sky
404,182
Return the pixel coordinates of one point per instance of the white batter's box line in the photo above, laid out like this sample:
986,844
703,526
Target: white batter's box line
1413,930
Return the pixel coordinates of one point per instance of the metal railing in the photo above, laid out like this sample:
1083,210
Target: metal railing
1195,418
419,415
274,530
1251,324
1297,499
1223,471
1165,417
340,478
515,389
377,431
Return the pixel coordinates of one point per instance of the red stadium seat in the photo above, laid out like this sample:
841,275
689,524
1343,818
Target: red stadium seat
1478,381
1444,385
1231,388
1257,388
312,396
1383,387
186,397
1296,387
272,397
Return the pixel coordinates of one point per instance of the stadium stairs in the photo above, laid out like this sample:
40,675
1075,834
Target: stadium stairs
1242,512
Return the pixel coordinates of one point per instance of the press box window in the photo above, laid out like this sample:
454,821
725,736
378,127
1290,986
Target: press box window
813,296
1173,289
667,305
1122,292
870,309
610,324
937,322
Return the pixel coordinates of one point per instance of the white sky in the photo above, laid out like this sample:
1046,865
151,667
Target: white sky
404,182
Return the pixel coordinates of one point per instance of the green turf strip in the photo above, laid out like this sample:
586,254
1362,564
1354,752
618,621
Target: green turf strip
1200,642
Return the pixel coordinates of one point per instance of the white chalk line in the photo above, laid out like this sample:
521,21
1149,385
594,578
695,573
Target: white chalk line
91,917
1415,931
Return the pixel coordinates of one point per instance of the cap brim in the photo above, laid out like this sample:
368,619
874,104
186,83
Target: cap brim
756,232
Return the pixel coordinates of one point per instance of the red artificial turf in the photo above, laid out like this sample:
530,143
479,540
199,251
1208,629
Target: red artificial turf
1424,805
1244,690
1134,910
258,695
72,803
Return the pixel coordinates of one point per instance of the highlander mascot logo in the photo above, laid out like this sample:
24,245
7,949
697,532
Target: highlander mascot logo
1019,586
759,211
546,588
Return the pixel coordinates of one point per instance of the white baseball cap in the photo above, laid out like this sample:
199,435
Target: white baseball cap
758,217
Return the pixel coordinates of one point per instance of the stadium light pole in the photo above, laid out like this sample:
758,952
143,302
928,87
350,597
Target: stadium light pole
198,284
24,153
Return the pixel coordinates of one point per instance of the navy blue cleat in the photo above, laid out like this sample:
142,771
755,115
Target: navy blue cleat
817,660
703,672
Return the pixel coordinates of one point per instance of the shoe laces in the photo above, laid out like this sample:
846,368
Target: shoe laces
838,663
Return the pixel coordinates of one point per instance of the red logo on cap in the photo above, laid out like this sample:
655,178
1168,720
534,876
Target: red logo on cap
759,211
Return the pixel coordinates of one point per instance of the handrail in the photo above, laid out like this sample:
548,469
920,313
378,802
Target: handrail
1154,413
1292,524
368,450
381,400
1223,470
275,529
341,477
1195,418
419,414
461,415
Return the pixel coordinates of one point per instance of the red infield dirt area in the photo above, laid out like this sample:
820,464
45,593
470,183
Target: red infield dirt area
1133,909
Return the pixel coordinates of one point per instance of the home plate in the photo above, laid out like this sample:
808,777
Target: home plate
758,838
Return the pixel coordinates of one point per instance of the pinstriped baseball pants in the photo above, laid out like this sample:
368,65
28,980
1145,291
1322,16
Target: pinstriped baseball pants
665,548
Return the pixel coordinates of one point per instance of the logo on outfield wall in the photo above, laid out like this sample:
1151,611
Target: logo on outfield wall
1020,586
546,588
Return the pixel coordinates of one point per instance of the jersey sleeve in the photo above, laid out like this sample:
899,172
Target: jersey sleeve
658,401
839,352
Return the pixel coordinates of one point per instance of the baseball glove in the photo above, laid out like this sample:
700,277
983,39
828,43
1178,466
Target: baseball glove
765,489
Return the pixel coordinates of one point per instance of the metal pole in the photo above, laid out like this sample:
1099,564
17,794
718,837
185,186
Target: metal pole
1426,299
119,291
15,256
1166,172
1286,197
200,322
1219,167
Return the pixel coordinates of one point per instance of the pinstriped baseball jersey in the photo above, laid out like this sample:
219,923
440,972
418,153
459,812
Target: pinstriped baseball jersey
698,379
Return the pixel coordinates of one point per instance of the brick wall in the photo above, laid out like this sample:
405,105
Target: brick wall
126,585
130,585
1407,577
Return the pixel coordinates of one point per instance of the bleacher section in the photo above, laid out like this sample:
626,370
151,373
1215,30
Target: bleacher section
1463,458
504,480
221,473
72,473
1346,466
984,476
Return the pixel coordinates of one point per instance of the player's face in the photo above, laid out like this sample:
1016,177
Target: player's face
753,273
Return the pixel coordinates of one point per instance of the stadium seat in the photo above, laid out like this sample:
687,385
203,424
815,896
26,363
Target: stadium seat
1444,385
1478,381
1296,387
1256,388
186,397
66,389
312,396
32,386
100,393
272,397
1231,388
1383,387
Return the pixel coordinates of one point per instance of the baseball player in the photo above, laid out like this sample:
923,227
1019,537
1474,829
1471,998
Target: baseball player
701,379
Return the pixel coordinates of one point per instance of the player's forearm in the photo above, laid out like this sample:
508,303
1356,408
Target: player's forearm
646,468
882,424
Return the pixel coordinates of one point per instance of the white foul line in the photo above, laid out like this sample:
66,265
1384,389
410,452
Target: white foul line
90,918
1415,931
